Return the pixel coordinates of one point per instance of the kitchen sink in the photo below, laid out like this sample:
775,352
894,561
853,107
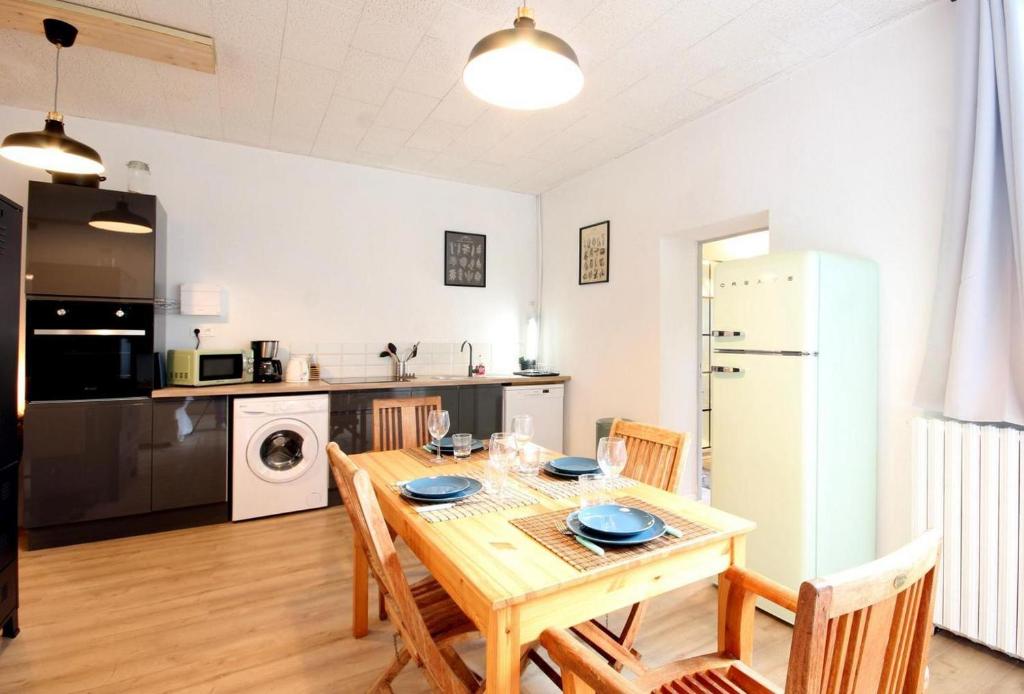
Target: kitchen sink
447,378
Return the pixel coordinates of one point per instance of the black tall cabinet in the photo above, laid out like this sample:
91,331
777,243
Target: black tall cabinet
10,439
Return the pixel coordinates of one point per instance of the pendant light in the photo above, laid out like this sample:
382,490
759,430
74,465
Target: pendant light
50,148
523,68
121,219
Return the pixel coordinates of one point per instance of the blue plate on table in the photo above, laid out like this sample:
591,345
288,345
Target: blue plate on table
652,533
613,520
575,466
438,486
473,488
558,473
447,446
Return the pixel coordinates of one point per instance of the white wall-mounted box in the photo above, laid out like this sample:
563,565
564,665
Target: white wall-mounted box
200,300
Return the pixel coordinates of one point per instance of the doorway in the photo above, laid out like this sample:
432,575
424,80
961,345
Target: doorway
712,253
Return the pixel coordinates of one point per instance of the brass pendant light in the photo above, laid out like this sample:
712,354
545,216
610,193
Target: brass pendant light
523,68
50,148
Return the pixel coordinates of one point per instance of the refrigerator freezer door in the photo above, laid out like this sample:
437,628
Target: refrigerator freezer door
763,459
767,303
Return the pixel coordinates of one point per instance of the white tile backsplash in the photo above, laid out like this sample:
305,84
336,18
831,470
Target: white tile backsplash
436,358
329,359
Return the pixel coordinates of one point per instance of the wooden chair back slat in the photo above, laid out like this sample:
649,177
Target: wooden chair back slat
402,422
655,455
369,526
867,630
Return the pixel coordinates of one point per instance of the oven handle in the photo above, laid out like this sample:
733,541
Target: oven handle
102,332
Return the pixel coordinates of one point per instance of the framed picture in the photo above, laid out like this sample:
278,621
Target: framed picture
594,252
465,259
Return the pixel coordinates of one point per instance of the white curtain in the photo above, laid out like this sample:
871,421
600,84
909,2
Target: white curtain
974,365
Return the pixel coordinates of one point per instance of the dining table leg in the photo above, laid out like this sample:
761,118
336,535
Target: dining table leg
504,651
360,591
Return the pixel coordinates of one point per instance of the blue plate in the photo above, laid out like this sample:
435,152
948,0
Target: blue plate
565,475
576,466
614,520
654,532
438,487
474,487
447,446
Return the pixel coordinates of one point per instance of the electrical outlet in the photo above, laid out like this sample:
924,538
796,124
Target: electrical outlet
207,331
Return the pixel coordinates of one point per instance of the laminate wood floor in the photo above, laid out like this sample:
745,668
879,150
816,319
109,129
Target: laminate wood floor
263,606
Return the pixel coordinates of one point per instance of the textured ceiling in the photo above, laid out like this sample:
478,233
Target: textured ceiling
378,82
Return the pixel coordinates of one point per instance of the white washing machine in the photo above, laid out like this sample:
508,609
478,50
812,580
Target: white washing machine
279,456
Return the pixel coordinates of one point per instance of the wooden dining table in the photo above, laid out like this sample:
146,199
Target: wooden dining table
512,587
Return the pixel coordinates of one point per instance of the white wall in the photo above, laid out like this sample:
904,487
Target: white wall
847,155
313,251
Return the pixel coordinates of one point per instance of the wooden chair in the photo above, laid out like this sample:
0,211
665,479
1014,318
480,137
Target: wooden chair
402,422
426,618
655,457
397,423
862,631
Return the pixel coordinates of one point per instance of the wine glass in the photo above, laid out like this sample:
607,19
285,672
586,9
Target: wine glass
438,422
522,428
500,454
611,455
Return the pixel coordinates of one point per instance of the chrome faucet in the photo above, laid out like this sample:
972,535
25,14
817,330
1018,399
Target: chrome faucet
469,371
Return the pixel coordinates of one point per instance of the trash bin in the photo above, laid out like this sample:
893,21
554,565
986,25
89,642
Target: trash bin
603,426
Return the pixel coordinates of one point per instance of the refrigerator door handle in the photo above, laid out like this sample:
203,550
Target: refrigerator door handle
726,333
726,369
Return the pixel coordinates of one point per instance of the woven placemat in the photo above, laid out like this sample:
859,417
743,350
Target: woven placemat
428,458
563,488
476,505
542,528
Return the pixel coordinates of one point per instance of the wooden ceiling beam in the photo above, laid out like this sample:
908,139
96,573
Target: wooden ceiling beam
114,32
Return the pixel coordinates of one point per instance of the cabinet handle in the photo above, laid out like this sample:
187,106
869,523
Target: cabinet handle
726,333
101,332
727,369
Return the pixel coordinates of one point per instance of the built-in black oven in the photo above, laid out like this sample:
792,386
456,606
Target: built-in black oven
84,349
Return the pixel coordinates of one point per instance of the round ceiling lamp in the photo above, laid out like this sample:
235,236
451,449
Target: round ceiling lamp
121,219
523,68
50,148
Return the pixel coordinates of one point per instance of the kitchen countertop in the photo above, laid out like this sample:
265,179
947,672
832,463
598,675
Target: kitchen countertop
322,386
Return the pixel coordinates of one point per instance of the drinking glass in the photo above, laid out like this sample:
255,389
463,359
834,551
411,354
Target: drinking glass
522,427
529,459
438,422
462,445
611,455
592,489
500,455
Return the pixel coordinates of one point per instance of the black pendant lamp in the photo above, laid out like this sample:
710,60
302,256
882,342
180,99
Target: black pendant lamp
50,148
121,219
523,68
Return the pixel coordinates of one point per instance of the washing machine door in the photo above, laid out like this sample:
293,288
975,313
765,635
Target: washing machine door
282,450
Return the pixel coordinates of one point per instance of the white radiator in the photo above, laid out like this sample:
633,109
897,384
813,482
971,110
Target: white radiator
968,482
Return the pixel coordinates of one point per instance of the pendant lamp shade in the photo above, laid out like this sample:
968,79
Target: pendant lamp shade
50,148
122,220
523,68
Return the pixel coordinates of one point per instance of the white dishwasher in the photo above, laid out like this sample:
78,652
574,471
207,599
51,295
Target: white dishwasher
545,404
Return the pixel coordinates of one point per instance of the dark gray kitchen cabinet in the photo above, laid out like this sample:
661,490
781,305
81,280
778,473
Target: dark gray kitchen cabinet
352,413
65,256
190,452
87,460
480,410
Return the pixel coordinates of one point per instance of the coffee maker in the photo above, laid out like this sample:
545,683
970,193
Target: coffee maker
266,367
